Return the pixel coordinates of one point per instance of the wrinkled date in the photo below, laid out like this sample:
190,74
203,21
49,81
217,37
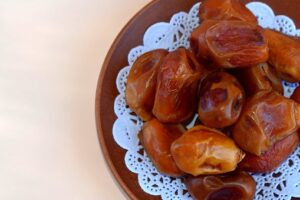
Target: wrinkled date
237,43
230,44
267,117
199,45
259,77
202,150
177,84
225,10
284,55
141,83
221,100
231,186
272,158
157,139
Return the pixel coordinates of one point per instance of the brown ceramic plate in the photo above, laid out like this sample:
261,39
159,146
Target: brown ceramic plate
129,37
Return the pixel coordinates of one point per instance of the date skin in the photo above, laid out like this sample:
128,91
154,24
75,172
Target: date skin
229,43
202,151
258,77
267,117
284,55
177,84
225,10
157,139
199,45
296,97
237,185
221,100
272,158
141,83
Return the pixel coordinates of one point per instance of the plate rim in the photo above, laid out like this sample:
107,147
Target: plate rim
109,163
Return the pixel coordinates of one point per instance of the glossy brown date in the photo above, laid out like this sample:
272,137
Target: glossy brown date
141,83
157,139
221,100
230,44
202,150
259,77
284,55
272,158
198,42
267,117
231,186
177,84
225,10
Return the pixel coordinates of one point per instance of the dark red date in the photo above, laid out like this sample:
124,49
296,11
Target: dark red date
232,186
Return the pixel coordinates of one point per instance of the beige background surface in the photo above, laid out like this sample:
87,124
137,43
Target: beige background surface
50,57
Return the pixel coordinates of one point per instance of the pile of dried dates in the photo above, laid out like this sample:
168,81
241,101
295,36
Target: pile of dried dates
231,76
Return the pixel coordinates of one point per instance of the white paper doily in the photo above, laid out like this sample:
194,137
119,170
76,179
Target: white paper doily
282,184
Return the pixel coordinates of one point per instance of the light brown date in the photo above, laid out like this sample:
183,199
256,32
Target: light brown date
221,100
177,85
284,55
157,139
225,10
230,43
267,117
272,158
141,83
202,150
231,186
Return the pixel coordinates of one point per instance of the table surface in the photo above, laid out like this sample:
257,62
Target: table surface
51,53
